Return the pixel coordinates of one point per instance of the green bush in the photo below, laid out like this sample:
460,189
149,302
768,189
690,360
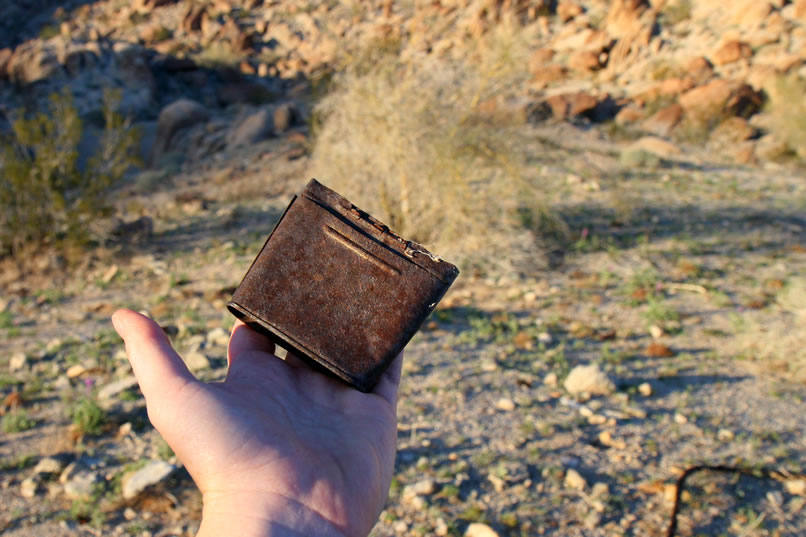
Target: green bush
430,146
17,421
86,415
46,196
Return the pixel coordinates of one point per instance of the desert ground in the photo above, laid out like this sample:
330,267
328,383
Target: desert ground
621,184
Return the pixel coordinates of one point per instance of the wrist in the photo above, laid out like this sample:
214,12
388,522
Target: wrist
249,514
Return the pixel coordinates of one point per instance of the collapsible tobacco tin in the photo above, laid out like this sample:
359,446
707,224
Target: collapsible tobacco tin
338,288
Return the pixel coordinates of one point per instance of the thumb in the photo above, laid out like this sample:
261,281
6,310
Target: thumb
160,371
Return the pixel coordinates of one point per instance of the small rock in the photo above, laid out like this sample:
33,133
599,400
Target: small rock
115,388
133,483
796,486
655,331
573,480
606,438
53,345
658,350
17,361
75,371
645,389
600,490
592,520
489,366
423,487
590,379
505,404
218,336
551,380
196,361
82,483
725,435
129,513
30,487
109,274
50,465
680,419
477,529
545,338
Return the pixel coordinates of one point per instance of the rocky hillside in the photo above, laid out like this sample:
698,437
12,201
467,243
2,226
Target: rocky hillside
695,72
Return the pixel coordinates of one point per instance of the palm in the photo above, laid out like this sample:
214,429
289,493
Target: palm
274,428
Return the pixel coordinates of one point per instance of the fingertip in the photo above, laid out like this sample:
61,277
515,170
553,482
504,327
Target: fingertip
389,382
245,339
156,364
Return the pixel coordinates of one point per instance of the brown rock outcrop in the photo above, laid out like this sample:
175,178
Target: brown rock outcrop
721,97
730,52
664,120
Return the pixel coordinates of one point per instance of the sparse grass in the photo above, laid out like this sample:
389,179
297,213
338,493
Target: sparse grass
87,416
427,146
676,12
788,111
659,312
779,346
48,31
6,319
17,421
641,287
218,54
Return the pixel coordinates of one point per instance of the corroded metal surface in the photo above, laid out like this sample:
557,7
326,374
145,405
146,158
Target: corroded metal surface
338,288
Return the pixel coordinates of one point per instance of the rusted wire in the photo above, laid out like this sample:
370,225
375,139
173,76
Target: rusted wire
758,473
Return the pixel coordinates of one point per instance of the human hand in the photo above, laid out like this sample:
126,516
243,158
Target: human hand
276,449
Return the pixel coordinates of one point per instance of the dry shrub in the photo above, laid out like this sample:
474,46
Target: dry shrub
429,146
787,110
46,195
779,344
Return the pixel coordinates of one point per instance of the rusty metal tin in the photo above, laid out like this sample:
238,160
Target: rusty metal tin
338,288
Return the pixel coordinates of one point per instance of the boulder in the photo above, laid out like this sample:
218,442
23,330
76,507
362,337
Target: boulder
175,117
567,10
146,6
5,60
700,69
730,52
537,60
584,61
285,115
257,126
721,96
623,17
751,14
33,61
732,131
571,105
548,74
664,120
194,17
